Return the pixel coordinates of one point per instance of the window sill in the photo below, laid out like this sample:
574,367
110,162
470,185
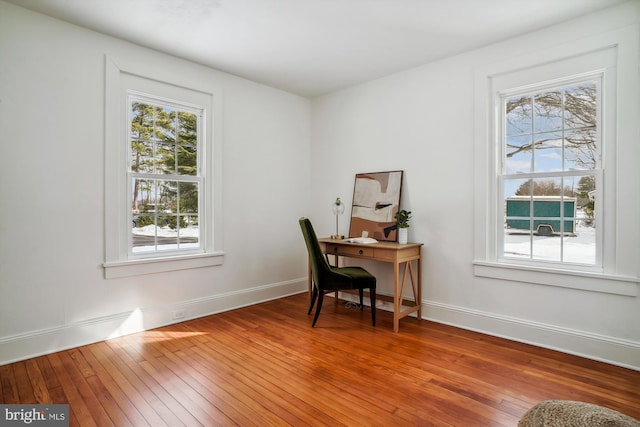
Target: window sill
588,281
114,270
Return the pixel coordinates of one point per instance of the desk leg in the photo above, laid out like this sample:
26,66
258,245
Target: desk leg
419,300
337,260
397,298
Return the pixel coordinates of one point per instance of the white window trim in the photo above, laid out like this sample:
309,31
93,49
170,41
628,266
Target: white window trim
621,273
117,261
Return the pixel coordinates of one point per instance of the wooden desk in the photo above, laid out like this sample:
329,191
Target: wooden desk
390,252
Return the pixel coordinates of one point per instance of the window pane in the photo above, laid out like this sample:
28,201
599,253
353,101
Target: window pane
188,219
188,196
518,115
141,121
517,224
189,236
517,244
580,106
547,187
518,209
546,248
547,112
141,156
187,128
187,160
165,124
166,158
144,233
518,154
144,196
517,187
167,234
547,152
168,196
580,149
581,246
188,138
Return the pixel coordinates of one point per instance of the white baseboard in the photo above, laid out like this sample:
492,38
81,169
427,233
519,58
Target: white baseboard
44,341
603,348
611,350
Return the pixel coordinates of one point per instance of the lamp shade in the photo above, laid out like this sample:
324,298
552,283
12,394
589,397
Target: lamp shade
337,207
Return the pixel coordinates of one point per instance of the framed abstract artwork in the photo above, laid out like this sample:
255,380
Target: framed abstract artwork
376,199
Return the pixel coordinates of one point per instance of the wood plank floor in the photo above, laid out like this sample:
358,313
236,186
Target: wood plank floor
264,365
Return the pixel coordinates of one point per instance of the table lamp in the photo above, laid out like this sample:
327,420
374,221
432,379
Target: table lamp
338,209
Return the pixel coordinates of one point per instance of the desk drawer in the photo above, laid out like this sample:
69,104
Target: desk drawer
349,250
385,254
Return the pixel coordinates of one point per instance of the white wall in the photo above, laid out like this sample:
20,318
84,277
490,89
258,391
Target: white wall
53,293
422,121
283,157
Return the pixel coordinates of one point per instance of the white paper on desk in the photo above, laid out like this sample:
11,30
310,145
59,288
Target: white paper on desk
362,240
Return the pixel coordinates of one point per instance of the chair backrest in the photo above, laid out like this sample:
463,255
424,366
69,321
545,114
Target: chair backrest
320,268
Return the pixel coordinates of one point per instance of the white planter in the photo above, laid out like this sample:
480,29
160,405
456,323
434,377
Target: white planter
402,235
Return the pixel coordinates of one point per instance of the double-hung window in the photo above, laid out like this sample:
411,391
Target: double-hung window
556,151
550,173
162,169
164,178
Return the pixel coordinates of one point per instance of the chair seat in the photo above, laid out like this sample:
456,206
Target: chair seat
362,276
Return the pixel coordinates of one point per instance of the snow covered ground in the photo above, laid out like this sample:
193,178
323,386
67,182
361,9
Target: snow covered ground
150,230
143,238
579,248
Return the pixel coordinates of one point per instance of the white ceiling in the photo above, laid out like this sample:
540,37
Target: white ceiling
311,47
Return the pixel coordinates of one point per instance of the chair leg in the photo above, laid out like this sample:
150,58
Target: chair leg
318,308
361,292
372,296
314,296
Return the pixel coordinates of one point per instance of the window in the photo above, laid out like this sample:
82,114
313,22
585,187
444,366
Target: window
555,158
163,171
164,175
550,173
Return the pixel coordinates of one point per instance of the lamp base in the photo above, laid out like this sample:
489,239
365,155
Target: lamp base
337,237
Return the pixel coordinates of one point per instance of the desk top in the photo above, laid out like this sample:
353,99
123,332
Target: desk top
381,243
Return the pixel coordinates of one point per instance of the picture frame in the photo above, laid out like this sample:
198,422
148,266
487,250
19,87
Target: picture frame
376,200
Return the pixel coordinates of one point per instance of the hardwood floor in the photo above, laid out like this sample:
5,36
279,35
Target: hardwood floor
264,365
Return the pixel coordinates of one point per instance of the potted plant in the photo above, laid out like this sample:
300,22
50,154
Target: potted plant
402,221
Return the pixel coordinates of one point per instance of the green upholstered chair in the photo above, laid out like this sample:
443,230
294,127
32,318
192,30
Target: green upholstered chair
328,279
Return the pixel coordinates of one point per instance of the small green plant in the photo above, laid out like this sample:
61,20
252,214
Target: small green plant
402,218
